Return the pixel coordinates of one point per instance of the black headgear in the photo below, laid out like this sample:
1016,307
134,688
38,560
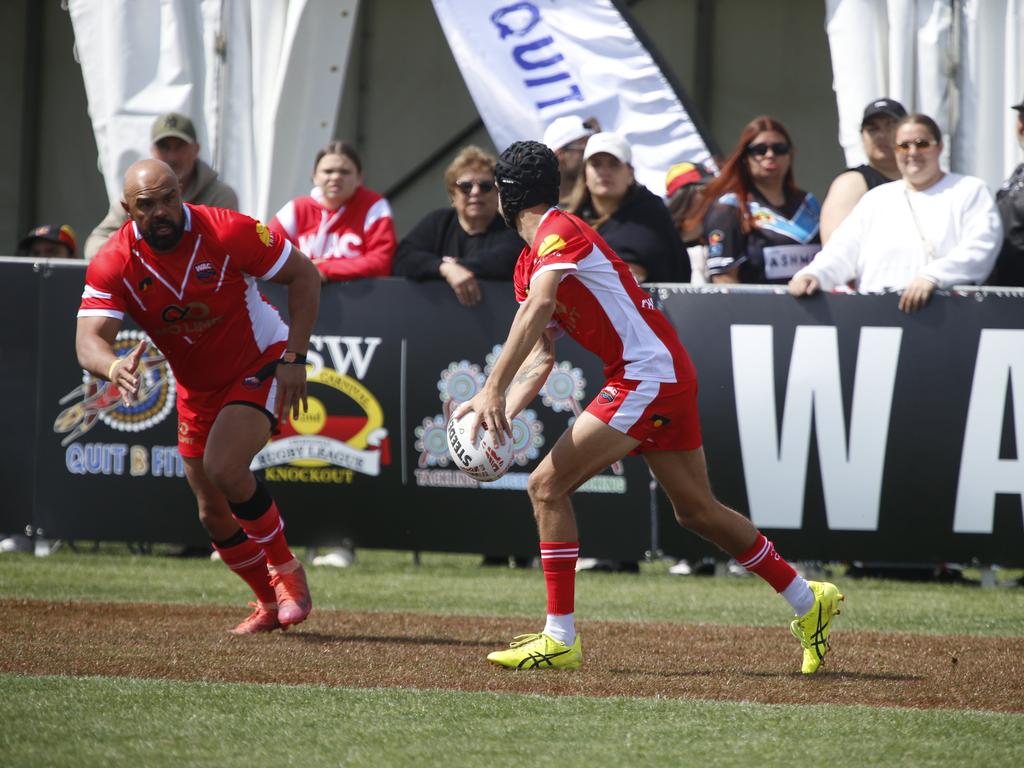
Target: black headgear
527,175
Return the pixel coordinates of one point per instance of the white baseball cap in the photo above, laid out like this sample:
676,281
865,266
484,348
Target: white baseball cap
609,142
565,130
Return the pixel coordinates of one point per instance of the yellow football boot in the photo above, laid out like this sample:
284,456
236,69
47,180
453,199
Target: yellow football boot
539,651
813,628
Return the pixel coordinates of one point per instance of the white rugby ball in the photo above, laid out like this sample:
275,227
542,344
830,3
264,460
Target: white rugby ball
482,459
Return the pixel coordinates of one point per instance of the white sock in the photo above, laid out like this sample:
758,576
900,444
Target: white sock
799,595
562,628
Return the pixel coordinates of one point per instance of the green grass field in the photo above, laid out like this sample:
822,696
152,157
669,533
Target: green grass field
58,721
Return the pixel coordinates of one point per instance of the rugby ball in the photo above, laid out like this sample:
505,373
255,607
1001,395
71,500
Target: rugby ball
482,459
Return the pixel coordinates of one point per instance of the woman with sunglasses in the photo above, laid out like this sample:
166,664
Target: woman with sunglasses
632,219
345,228
758,225
467,241
930,230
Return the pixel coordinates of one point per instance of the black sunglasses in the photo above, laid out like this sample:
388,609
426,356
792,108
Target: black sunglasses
904,146
465,187
760,150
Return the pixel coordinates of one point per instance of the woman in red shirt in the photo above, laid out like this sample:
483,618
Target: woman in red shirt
345,228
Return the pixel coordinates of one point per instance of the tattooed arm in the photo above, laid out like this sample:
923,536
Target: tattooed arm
531,374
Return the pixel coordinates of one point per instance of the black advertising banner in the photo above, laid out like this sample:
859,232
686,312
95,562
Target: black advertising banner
849,430
104,471
19,345
413,351
368,461
844,428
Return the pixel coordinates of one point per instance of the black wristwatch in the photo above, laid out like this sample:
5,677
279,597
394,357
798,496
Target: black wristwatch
292,358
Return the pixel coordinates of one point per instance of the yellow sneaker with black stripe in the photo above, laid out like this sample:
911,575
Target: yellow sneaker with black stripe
539,651
813,628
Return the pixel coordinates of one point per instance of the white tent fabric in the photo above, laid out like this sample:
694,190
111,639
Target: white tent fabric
261,81
526,64
959,61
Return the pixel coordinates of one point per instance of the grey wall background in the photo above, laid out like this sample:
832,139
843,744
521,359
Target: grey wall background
406,107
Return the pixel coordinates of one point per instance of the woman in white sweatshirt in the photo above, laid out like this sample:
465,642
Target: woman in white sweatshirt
929,230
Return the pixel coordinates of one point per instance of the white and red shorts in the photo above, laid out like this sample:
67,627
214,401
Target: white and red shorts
663,417
256,386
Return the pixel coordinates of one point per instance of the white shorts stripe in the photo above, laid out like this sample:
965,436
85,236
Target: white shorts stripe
634,404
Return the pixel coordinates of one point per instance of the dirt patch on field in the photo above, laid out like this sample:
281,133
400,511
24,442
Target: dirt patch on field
371,650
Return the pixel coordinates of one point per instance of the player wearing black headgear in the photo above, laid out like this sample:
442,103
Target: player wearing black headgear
568,277
527,175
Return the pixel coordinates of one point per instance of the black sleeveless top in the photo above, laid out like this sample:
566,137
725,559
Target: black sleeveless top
871,177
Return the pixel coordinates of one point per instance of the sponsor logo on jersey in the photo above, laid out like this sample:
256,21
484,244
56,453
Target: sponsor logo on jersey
145,284
184,434
567,317
265,235
205,270
659,421
608,394
193,318
346,245
549,246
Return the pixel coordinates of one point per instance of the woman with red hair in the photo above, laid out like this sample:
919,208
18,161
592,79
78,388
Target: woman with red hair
759,226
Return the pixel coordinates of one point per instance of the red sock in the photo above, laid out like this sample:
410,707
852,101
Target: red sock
248,560
763,560
267,530
558,559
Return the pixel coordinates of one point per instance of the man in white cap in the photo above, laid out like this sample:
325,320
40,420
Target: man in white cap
567,138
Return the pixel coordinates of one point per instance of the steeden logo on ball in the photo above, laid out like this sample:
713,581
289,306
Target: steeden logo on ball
482,459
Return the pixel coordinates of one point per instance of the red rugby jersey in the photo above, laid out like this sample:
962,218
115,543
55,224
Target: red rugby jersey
356,240
199,303
600,304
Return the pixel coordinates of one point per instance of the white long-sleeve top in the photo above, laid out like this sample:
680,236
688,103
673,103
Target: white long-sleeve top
880,247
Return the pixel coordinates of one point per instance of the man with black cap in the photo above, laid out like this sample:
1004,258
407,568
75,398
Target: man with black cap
49,241
174,141
876,133
568,278
1009,269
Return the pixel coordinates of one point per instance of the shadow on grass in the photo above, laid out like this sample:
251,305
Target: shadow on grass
330,637
719,673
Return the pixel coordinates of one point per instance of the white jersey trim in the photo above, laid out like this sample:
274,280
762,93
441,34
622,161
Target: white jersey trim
645,355
93,293
565,266
379,210
101,313
286,218
285,253
267,326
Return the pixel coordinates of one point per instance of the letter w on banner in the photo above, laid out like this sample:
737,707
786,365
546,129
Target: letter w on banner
527,63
